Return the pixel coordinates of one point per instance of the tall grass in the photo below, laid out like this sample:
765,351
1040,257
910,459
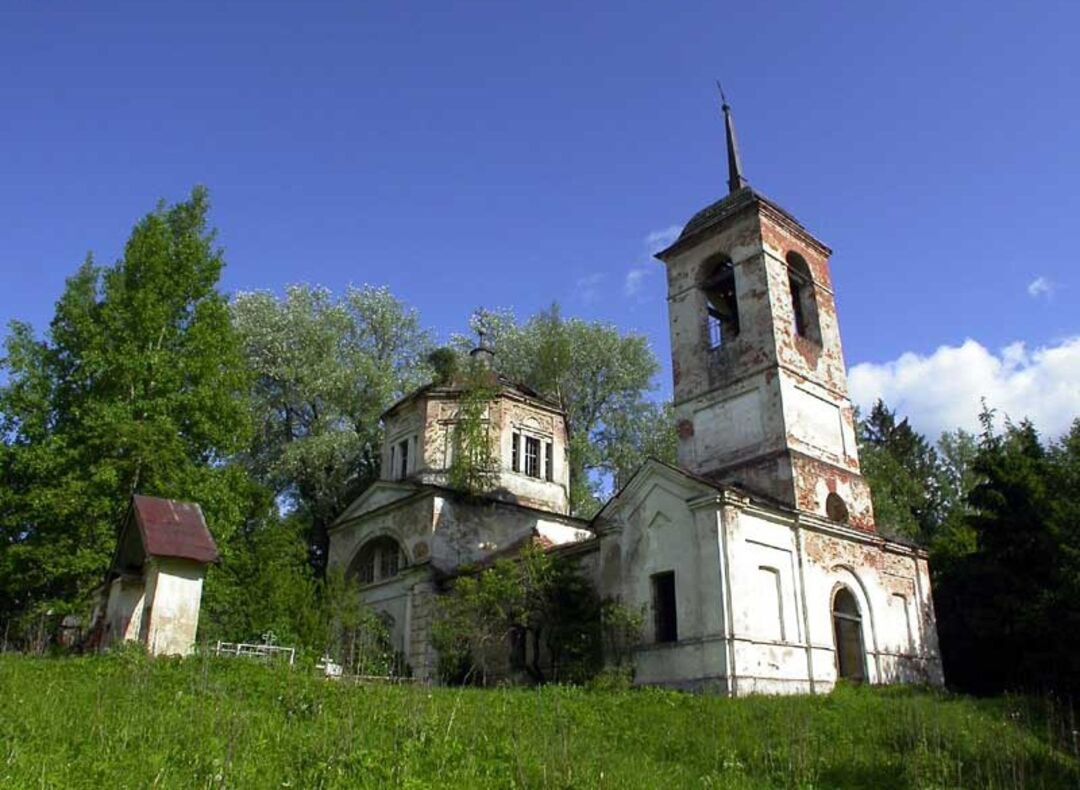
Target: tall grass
126,721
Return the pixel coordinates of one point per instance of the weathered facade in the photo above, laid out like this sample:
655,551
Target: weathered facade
754,588
757,556
153,588
410,530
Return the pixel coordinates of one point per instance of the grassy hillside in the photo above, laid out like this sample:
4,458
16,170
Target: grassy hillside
124,721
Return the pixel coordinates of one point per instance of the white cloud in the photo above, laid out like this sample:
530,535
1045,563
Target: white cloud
588,287
634,278
943,390
1040,286
659,239
654,242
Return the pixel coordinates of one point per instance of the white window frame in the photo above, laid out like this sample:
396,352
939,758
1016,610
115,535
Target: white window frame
518,436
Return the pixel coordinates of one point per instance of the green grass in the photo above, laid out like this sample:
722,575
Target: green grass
124,721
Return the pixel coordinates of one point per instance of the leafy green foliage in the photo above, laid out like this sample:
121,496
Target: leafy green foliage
356,636
126,722
903,470
325,368
137,387
474,465
537,600
444,361
621,631
265,585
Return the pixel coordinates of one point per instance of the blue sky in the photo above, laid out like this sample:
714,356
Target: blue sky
511,155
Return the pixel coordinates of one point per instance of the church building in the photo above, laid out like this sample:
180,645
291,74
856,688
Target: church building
756,557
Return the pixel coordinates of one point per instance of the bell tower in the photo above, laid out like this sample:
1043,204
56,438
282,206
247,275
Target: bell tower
761,397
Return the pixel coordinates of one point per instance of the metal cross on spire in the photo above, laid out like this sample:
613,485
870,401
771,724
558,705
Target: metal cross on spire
735,176
480,324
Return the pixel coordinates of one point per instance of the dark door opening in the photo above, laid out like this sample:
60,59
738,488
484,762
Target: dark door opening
847,630
665,621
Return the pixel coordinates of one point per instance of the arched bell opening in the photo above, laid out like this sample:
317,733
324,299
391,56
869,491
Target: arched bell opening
717,281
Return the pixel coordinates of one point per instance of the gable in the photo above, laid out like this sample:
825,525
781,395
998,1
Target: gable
378,494
169,528
652,481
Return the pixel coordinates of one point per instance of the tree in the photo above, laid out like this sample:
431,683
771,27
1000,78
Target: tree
953,537
474,464
904,475
325,369
474,622
631,436
265,585
356,635
535,602
600,378
1008,611
137,387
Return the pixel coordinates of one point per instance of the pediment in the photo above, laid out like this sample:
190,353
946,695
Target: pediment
378,494
660,520
651,479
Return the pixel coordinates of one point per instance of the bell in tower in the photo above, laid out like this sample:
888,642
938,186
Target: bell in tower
760,386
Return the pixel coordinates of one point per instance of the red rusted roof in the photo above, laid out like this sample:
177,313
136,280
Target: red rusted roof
173,529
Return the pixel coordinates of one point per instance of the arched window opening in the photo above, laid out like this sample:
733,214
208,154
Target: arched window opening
847,630
835,508
378,560
722,305
803,300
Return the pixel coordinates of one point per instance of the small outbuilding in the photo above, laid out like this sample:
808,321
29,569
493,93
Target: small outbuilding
153,588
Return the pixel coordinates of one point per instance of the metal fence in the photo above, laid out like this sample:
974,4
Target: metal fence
258,652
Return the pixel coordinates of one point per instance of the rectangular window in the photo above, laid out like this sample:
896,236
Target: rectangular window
665,622
716,334
797,306
515,453
532,456
900,601
403,455
549,462
389,560
770,604
366,571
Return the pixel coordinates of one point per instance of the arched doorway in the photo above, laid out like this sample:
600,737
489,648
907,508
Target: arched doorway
847,630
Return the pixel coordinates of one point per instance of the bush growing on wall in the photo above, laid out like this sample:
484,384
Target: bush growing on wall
539,606
358,638
474,466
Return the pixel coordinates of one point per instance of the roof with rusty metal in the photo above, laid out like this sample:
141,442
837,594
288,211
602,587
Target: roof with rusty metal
173,529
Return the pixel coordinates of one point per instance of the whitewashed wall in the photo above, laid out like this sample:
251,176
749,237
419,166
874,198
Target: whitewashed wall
173,595
754,591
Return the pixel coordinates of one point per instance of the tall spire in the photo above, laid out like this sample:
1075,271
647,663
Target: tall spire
734,164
